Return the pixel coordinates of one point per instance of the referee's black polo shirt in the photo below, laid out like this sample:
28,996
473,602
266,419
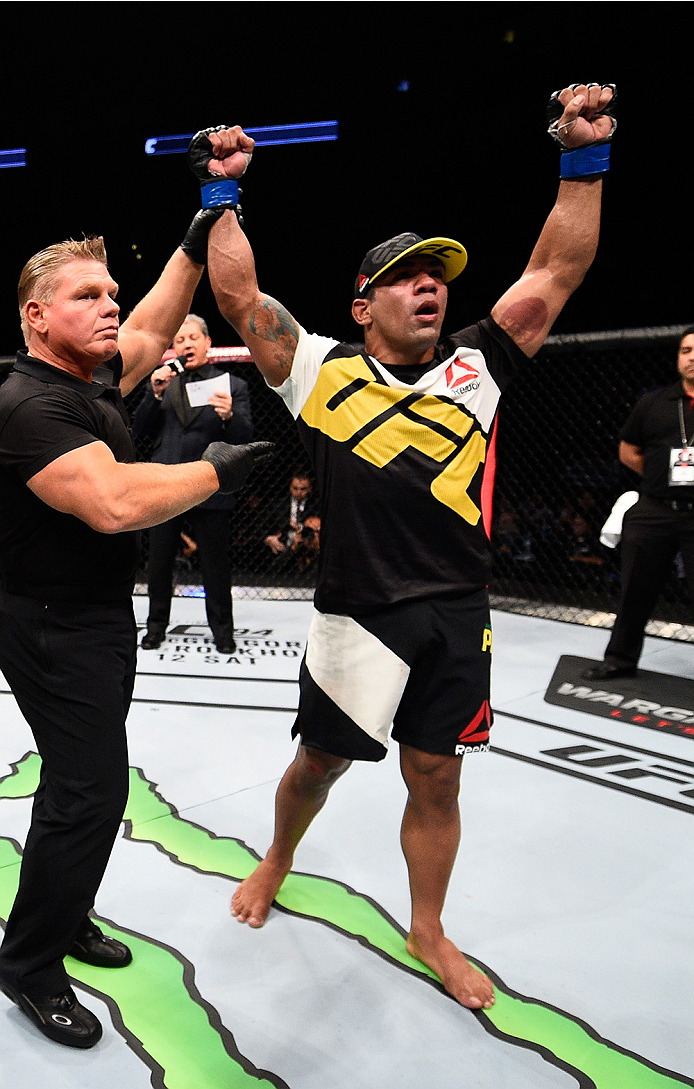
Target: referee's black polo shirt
654,426
46,412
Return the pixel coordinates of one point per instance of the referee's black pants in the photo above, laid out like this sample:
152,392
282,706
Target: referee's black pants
211,532
71,668
652,536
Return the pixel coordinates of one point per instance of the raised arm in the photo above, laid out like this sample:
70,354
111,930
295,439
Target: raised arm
266,328
150,328
218,158
568,242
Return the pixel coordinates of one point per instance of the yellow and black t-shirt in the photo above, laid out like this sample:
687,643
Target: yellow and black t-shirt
401,468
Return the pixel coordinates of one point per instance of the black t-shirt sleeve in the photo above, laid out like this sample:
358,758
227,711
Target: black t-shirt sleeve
632,431
41,429
501,353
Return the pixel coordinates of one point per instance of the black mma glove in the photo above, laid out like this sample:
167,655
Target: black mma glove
195,241
555,110
232,464
589,159
216,191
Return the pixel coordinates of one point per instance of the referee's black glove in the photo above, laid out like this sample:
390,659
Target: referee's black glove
233,463
195,241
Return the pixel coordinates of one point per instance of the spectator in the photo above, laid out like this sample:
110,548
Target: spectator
294,537
583,546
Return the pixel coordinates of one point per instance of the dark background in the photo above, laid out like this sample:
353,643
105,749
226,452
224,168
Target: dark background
463,153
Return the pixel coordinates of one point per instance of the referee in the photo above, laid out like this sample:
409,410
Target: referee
71,502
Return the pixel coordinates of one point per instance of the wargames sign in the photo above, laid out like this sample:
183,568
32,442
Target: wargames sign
657,701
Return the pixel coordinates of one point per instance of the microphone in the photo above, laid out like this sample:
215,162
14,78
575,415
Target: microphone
178,364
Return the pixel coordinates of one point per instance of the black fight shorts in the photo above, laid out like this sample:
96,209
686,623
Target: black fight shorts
421,667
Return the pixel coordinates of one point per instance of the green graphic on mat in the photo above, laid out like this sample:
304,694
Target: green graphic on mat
166,1021
571,1044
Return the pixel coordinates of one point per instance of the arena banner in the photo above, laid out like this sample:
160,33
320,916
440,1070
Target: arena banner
658,701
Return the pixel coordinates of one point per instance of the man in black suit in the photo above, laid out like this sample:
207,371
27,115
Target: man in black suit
289,513
181,432
294,528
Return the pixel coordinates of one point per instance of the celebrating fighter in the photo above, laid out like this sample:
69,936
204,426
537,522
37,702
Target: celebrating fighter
398,433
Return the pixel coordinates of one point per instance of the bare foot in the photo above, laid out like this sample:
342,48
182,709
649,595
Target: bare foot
468,986
253,898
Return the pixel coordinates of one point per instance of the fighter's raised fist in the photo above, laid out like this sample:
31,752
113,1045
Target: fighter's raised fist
220,152
582,114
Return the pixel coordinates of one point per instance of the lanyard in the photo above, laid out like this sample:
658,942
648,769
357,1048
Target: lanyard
685,441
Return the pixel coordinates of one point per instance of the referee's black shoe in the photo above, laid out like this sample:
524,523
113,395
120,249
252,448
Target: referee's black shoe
60,1017
225,646
151,640
608,671
92,946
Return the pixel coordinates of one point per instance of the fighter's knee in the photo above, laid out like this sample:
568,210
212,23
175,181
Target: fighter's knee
429,765
321,766
432,778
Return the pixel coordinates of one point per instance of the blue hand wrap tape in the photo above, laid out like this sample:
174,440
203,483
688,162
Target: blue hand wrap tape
224,191
585,160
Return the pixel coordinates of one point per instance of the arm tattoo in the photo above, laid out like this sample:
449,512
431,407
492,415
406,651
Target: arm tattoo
270,321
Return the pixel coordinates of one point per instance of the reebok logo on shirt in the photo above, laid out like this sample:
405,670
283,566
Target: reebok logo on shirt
461,377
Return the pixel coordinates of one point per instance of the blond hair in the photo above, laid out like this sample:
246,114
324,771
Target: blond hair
39,278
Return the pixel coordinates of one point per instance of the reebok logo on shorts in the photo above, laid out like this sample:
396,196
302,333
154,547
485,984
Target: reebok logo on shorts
476,734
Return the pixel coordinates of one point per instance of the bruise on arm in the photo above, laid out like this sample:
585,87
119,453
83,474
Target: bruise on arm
560,259
272,323
524,320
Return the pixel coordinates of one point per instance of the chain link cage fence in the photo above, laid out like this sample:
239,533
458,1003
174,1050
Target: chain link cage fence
557,478
559,475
